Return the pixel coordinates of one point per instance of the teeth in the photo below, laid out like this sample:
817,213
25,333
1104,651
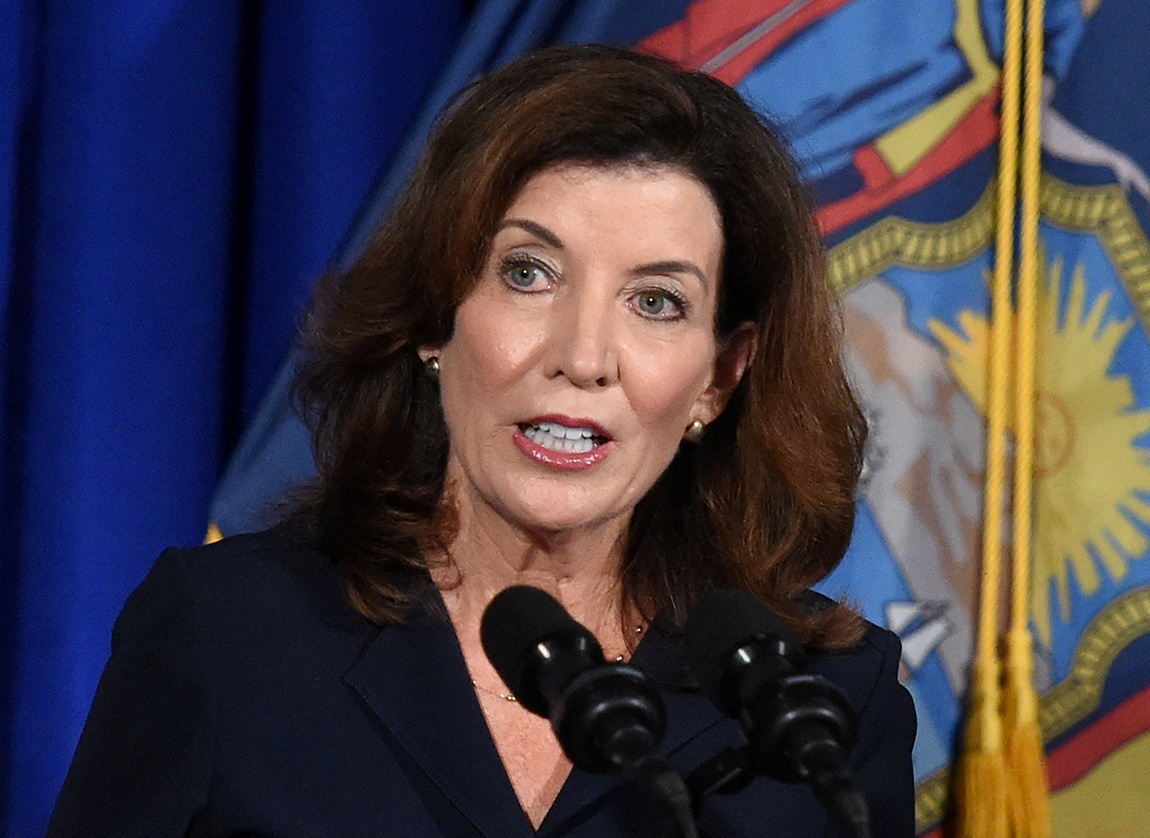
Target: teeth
562,432
556,437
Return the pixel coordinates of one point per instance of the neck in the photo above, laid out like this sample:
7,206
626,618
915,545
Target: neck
580,569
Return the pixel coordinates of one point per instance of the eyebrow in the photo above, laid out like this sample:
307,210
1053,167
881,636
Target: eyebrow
534,229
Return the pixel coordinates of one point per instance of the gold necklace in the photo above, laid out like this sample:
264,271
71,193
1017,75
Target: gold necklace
619,658
504,696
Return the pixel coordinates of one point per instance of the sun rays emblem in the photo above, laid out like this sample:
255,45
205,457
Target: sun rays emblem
1092,477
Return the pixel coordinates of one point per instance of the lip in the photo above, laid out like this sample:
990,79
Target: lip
561,460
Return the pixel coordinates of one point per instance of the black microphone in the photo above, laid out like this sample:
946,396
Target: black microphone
607,717
799,726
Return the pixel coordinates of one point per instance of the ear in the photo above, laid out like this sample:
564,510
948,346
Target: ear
730,364
426,352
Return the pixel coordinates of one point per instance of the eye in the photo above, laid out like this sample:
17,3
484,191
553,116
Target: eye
524,274
659,304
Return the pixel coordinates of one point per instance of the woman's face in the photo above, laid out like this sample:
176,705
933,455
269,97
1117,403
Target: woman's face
586,347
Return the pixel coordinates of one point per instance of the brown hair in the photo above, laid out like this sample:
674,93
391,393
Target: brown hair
764,503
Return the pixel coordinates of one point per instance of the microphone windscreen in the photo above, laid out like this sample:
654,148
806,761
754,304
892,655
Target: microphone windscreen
720,622
517,620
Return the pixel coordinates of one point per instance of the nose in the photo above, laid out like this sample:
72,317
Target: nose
583,340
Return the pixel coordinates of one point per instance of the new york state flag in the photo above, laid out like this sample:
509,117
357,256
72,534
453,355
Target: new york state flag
892,107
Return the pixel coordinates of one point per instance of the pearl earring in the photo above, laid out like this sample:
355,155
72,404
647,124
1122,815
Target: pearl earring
694,431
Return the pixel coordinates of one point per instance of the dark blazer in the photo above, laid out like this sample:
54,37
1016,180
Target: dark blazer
245,697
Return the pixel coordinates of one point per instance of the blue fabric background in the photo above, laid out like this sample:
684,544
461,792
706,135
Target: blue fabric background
172,178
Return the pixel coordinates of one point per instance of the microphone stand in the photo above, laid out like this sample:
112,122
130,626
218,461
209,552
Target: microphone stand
729,772
669,792
824,766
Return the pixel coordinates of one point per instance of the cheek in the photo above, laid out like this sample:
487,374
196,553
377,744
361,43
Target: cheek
663,391
487,353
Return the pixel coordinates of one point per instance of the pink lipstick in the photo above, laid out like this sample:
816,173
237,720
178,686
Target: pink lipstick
563,442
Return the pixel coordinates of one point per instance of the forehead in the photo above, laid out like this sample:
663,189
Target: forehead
659,206
575,174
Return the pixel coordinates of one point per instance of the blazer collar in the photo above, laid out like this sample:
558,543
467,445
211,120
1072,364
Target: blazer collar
413,678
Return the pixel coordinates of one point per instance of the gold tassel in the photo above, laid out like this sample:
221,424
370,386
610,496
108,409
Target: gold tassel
214,533
980,783
1030,801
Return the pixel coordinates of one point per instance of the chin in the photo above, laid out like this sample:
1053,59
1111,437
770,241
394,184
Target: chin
553,521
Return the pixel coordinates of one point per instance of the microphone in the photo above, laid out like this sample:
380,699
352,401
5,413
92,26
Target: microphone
799,726
607,717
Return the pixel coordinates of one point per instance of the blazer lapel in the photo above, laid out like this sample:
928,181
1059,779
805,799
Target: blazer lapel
414,679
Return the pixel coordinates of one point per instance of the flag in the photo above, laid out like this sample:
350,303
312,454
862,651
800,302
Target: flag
895,137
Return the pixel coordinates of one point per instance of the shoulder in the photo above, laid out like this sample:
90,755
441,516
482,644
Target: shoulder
881,759
282,551
867,671
267,562
227,662
263,582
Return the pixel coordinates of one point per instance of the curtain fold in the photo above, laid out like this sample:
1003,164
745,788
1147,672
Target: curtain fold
174,176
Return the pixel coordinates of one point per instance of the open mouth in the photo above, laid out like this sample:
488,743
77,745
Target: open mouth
560,438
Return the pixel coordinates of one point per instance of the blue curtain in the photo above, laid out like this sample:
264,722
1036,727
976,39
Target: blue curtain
173,176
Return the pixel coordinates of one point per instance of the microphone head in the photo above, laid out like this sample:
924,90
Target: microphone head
720,623
606,716
517,621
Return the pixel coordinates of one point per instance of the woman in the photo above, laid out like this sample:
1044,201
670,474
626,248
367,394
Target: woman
591,350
